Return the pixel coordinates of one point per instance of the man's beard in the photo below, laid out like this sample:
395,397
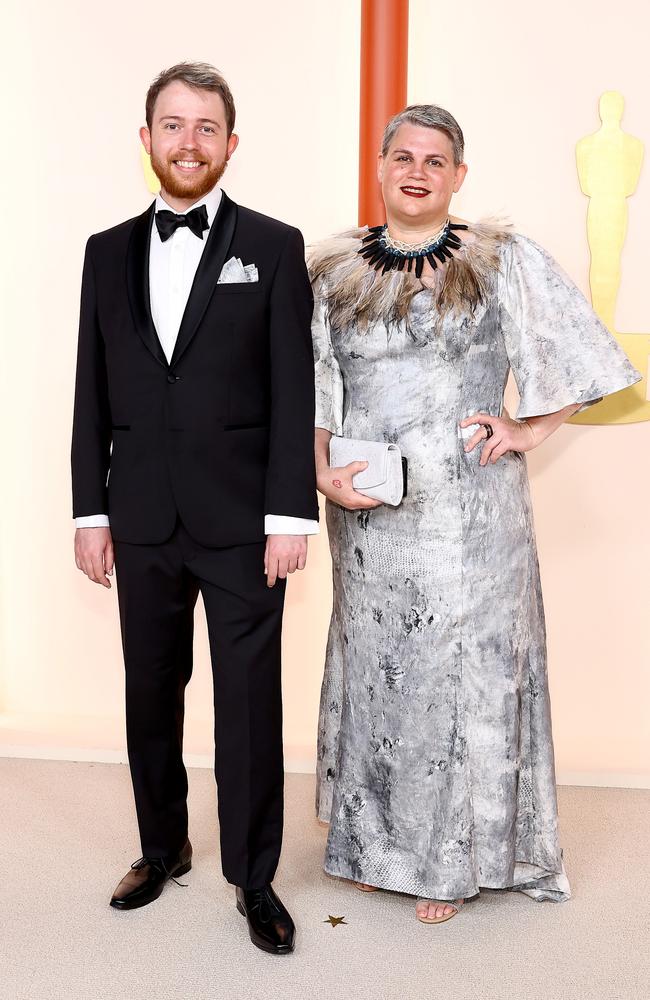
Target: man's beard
187,186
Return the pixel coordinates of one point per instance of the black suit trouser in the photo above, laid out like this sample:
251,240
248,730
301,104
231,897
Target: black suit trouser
158,586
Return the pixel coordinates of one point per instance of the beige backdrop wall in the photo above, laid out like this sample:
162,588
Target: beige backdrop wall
524,85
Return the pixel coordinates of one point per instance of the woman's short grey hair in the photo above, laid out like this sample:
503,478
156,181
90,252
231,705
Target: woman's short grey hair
201,75
428,116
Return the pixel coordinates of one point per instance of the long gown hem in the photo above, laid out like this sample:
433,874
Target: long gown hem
547,885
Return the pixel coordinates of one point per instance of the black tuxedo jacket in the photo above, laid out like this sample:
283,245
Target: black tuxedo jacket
225,432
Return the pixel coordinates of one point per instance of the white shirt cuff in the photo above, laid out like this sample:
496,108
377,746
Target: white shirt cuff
92,521
274,524
281,524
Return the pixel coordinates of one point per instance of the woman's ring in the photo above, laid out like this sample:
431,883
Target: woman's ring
490,431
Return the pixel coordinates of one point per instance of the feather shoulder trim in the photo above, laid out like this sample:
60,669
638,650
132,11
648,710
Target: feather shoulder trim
355,293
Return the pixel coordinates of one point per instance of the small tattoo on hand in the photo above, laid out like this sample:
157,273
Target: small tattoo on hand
337,483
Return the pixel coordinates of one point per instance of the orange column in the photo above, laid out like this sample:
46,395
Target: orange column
384,63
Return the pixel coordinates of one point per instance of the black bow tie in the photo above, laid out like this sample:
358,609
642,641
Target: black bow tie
168,222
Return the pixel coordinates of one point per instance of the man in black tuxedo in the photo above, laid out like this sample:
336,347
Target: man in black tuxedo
193,470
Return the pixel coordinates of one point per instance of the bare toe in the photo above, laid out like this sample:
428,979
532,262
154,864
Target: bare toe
433,909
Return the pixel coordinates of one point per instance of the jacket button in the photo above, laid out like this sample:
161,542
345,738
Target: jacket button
172,378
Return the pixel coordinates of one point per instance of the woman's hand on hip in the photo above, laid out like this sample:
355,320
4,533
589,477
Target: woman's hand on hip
507,435
336,485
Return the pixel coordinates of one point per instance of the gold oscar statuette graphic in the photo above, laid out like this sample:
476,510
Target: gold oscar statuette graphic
609,165
151,180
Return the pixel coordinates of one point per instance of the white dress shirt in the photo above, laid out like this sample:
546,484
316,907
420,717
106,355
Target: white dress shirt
172,266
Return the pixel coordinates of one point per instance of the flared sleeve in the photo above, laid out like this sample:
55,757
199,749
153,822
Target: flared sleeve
329,381
559,350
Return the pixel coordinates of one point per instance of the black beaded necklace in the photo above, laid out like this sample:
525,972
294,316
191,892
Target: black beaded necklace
384,253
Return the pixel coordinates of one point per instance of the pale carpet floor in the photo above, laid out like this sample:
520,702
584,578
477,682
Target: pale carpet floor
68,835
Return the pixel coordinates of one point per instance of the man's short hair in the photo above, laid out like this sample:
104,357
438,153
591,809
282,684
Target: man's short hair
200,75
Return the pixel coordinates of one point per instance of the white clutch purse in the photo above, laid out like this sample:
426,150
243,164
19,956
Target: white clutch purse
385,477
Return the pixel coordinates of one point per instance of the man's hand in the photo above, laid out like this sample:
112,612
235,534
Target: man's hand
93,554
284,554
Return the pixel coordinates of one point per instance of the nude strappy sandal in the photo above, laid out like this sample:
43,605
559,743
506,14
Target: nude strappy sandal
456,903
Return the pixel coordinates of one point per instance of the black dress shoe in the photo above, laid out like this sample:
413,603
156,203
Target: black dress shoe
147,878
269,924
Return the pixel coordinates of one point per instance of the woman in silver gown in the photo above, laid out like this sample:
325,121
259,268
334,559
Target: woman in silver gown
435,752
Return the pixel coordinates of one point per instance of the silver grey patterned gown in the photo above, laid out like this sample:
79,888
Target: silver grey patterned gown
435,753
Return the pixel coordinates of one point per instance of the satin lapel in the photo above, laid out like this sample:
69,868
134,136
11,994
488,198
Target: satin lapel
212,260
137,278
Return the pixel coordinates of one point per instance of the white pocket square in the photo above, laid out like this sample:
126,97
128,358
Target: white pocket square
233,270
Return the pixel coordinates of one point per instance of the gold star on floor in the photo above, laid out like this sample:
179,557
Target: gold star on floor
335,920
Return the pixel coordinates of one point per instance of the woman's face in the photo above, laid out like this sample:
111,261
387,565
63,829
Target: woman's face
418,176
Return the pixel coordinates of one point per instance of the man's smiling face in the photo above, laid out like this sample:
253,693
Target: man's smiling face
188,141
